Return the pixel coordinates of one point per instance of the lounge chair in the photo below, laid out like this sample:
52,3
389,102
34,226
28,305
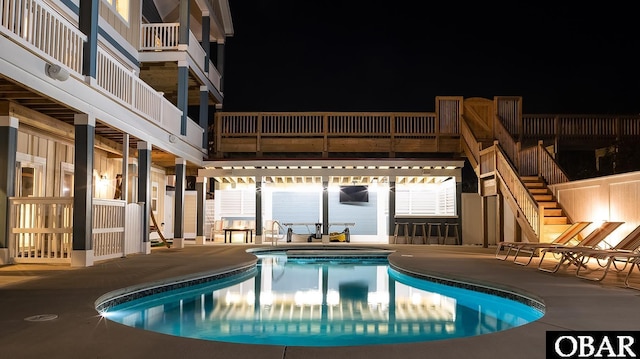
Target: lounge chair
634,264
569,254
531,248
626,252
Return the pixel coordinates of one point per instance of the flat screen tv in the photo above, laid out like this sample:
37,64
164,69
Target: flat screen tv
354,194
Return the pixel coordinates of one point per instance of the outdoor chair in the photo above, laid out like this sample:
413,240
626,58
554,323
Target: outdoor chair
635,263
620,256
532,248
569,254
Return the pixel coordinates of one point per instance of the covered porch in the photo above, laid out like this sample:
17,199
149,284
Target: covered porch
317,199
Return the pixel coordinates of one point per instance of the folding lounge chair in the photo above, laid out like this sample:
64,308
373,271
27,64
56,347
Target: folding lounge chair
626,252
634,264
531,248
569,254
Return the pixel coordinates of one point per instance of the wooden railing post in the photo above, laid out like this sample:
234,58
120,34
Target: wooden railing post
516,160
540,223
556,131
218,137
259,134
539,157
325,132
392,136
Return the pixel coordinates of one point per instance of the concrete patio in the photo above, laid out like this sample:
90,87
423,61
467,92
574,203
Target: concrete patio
78,332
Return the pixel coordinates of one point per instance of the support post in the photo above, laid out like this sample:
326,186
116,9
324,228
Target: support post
82,252
144,191
201,190
8,149
178,213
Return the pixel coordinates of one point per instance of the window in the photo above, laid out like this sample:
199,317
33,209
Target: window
427,200
154,197
121,7
66,180
29,175
236,203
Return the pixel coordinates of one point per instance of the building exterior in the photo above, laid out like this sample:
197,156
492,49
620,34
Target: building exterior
94,117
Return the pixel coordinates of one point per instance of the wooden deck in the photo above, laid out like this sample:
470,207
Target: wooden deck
415,134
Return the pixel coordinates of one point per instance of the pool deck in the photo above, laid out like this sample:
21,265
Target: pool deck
78,332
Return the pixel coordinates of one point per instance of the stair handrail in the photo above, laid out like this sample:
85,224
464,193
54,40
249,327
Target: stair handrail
518,191
548,167
470,143
507,143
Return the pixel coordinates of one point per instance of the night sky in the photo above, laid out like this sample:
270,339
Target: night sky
350,55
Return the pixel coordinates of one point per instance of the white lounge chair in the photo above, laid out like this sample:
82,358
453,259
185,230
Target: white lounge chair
569,254
532,248
625,252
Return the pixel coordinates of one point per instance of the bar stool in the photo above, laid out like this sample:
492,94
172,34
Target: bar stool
437,226
423,233
455,229
405,228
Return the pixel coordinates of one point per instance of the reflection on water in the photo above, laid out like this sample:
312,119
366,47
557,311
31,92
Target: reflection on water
288,302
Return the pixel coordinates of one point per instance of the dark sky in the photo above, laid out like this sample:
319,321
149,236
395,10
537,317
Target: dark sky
351,55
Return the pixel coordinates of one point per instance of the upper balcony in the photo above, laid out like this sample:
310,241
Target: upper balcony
36,36
160,54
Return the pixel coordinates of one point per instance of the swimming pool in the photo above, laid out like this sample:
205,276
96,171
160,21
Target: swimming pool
318,298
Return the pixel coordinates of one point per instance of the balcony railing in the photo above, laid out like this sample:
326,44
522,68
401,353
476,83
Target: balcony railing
41,229
165,37
36,25
335,132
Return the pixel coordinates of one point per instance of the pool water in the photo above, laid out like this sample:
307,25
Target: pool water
323,302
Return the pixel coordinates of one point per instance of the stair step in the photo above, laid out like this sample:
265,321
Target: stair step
539,190
543,197
555,220
548,204
552,212
530,178
534,184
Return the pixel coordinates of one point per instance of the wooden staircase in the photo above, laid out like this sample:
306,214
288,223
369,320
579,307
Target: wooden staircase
554,220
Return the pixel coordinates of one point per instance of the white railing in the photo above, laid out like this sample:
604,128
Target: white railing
162,36
41,229
214,75
137,95
196,51
34,23
133,229
108,228
194,133
166,36
132,92
40,28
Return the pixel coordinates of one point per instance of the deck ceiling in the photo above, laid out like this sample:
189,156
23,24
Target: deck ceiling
335,180
338,172
163,77
40,112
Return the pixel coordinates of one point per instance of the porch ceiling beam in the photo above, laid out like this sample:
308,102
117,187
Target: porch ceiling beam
348,175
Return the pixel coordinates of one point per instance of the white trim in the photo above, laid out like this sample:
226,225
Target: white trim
143,145
9,121
84,119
